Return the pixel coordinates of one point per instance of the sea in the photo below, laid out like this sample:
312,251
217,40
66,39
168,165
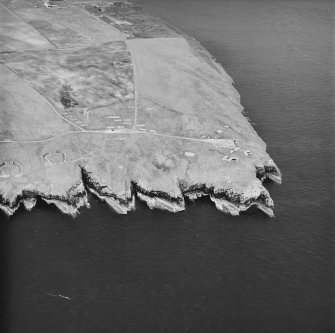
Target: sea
201,270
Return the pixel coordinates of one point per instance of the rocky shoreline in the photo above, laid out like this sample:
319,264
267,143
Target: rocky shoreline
123,106
225,200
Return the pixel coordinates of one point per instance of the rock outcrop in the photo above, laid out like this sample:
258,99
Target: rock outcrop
111,100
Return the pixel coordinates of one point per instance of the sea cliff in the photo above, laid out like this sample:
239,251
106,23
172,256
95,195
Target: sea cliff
110,100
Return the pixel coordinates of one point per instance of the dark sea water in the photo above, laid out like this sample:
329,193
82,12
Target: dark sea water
200,270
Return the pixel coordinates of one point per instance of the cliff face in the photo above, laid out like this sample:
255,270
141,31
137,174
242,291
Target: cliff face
109,99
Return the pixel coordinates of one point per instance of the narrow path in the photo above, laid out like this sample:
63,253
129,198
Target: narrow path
22,20
82,130
133,61
51,106
115,132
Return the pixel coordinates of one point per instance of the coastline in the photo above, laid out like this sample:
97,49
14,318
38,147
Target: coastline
156,117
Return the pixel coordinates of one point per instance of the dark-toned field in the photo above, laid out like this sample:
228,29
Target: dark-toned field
200,270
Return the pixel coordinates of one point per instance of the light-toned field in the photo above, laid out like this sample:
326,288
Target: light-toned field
109,99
